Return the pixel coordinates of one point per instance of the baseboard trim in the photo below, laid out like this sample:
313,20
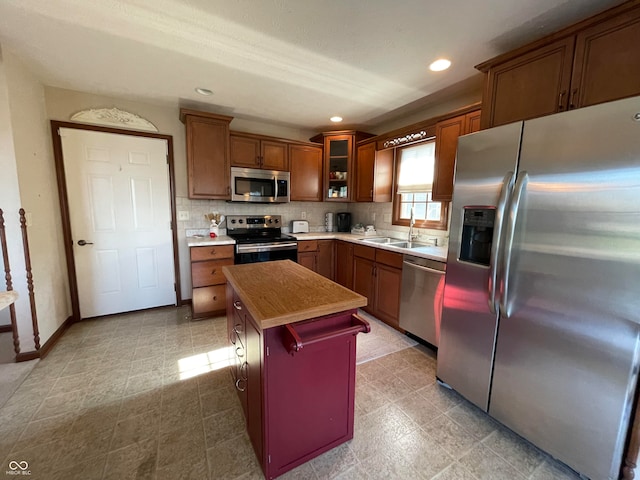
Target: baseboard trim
26,356
185,301
48,345
6,328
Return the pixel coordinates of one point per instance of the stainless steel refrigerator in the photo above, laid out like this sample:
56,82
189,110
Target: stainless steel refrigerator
541,313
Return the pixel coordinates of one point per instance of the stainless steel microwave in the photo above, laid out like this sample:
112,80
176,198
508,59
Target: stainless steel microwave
259,186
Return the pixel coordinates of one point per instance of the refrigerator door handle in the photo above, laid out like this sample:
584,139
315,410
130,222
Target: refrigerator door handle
507,185
505,305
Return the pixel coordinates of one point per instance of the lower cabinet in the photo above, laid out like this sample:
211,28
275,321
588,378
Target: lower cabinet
317,255
207,279
377,274
298,403
343,264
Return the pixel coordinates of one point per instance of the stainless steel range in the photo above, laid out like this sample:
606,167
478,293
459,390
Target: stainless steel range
260,239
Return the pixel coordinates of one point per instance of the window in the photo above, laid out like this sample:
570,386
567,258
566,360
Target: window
415,167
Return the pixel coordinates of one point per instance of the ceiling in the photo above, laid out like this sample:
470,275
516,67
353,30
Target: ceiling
291,62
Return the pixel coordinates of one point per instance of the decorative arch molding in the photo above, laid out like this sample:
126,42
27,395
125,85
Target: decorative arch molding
114,117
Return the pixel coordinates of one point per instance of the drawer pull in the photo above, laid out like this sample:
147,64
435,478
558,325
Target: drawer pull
239,352
237,305
213,272
213,251
238,384
237,328
215,298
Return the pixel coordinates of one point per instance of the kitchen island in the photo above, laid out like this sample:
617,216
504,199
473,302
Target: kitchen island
293,336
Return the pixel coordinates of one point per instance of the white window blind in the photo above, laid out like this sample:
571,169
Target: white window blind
416,168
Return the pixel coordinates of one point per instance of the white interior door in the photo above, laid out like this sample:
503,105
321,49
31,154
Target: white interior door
119,204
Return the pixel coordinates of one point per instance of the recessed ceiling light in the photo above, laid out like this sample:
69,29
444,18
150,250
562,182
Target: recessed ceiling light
204,91
439,65
336,119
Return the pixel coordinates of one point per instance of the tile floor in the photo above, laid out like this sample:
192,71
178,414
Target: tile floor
110,402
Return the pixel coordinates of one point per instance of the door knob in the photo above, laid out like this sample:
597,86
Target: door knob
82,243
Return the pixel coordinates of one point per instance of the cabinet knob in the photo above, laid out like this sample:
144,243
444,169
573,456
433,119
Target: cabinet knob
213,272
238,384
237,305
213,251
215,298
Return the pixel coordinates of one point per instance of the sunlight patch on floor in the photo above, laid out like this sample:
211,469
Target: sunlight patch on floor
201,363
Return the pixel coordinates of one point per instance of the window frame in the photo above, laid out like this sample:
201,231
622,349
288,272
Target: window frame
396,220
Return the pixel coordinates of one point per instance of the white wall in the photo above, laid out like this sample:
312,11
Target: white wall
28,181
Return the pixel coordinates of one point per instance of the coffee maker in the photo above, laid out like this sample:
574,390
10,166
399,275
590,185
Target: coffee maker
344,221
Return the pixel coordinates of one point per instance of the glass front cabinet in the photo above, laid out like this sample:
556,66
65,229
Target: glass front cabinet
340,163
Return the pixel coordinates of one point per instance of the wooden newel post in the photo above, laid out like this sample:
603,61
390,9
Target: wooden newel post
27,261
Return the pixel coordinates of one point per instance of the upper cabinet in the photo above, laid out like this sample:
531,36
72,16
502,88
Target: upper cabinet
447,133
254,151
207,138
339,163
591,62
374,173
306,172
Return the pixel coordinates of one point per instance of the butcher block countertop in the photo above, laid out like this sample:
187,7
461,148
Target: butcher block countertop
282,292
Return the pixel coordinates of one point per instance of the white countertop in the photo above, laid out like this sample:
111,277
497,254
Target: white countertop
430,252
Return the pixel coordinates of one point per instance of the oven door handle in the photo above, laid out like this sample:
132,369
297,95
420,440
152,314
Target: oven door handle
261,247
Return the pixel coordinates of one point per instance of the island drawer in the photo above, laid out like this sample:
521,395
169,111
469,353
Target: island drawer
211,252
308,246
208,299
209,272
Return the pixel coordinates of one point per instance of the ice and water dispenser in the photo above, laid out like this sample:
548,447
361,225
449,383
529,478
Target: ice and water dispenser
477,234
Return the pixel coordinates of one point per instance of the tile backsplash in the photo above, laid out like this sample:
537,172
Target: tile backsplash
377,214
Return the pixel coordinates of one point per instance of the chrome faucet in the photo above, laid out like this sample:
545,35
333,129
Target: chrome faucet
412,221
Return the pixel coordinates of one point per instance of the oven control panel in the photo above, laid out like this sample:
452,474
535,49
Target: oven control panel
253,221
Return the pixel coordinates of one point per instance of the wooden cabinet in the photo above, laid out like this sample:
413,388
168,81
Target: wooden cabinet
317,256
339,163
344,263
208,281
374,173
447,133
591,62
254,151
207,138
306,173
377,275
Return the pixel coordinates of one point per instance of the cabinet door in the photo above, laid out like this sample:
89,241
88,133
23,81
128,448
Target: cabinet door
254,385
363,281
529,86
387,294
324,264
308,259
383,176
607,61
365,170
447,133
306,173
344,264
472,122
338,169
274,155
208,158
245,152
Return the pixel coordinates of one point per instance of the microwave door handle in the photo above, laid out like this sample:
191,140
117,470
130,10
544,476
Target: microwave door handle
275,188
507,186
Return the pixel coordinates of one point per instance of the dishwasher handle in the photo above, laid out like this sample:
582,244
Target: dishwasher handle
297,342
426,269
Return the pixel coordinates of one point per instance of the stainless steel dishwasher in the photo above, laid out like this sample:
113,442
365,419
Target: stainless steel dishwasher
421,297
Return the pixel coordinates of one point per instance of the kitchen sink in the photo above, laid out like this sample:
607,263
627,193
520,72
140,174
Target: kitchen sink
394,242
382,240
